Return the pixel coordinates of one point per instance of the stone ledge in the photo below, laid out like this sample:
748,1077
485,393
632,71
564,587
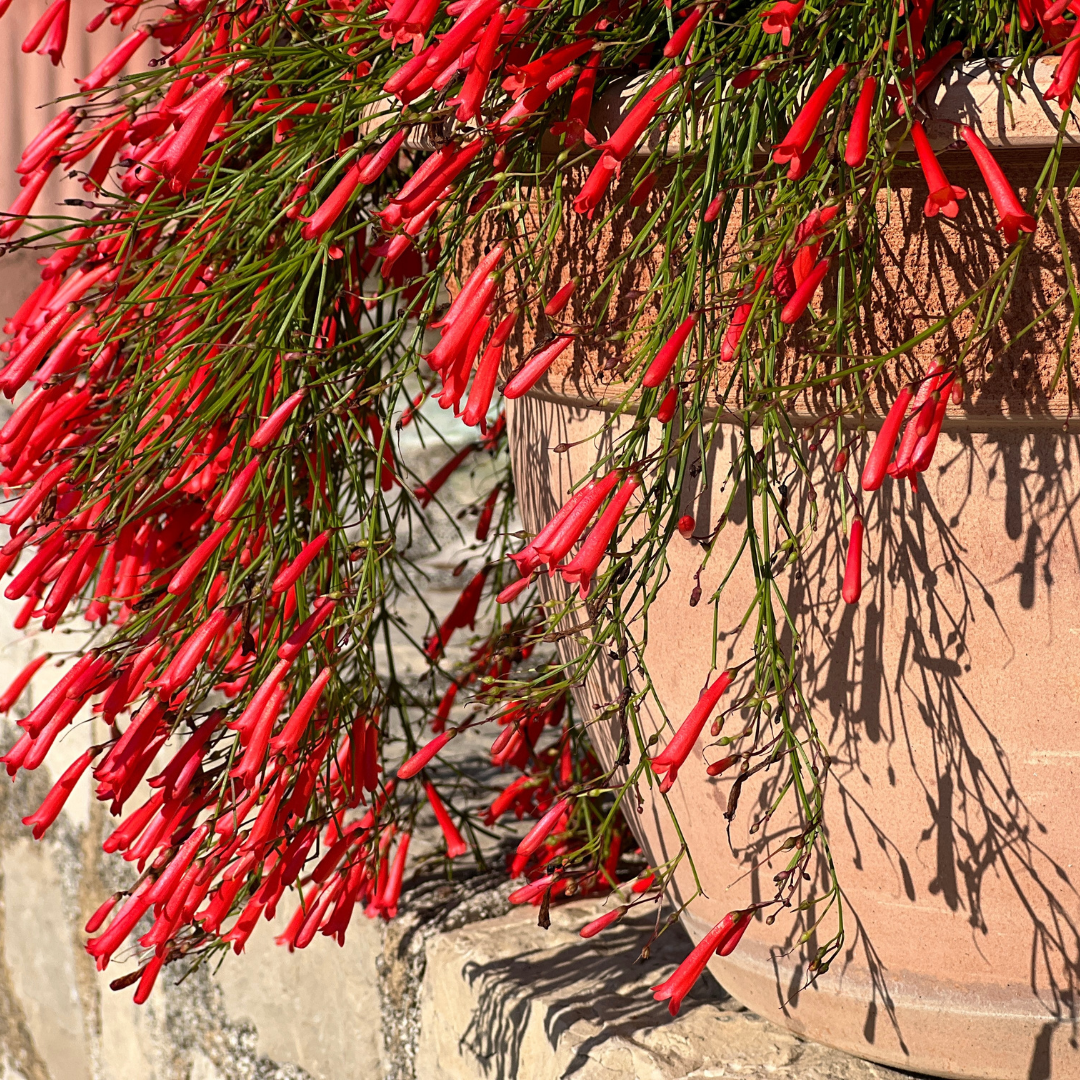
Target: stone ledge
503,999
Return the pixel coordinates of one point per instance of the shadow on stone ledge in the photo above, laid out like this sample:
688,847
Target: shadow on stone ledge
503,999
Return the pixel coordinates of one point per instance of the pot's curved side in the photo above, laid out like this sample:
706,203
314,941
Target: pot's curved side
947,698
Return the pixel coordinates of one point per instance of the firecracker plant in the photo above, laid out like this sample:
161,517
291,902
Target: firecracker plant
311,224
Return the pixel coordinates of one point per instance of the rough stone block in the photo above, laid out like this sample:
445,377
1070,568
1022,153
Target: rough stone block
317,1008
39,962
503,999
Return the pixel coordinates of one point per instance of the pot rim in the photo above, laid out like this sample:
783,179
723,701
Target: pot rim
957,418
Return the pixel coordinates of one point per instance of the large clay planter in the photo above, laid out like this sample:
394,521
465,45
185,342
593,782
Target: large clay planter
948,696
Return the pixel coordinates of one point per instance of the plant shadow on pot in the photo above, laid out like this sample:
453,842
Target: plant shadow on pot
947,695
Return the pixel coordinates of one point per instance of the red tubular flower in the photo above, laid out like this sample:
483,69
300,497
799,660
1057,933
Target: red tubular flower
463,614
473,283
457,162
853,569
187,573
331,208
552,546
530,557
455,844
540,70
681,38
686,526
289,575
1013,217
532,840
52,29
456,336
113,63
85,558
514,589
47,141
924,76
24,202
943,195
377,163
454,42
442,714
258,740
609,918
294,644
122,836
456,376
925,447
922,409
234,496
420,759
858,141
1065,75
483,523
793,267
911,35
671,758
388,900
718,940
288,740
487,373
740,924
878,459
175,779
528,105
721,766
780,18
626,135
531,891
185,856
667,407
800,301
665,359
105,157
96,920
29,502
536,365
583,566
149,977
48,811
103,946
20,682
801,165
184,150
41,149
472,92
640,195
592,191
739,319
272,426
561,298
797,142
576,125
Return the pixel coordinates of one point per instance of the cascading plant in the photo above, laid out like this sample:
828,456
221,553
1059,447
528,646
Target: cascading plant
233,330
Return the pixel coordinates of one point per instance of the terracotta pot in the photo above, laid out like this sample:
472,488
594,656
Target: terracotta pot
948,696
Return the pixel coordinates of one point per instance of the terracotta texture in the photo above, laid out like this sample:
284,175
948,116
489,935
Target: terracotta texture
947,696
948,700
925,268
